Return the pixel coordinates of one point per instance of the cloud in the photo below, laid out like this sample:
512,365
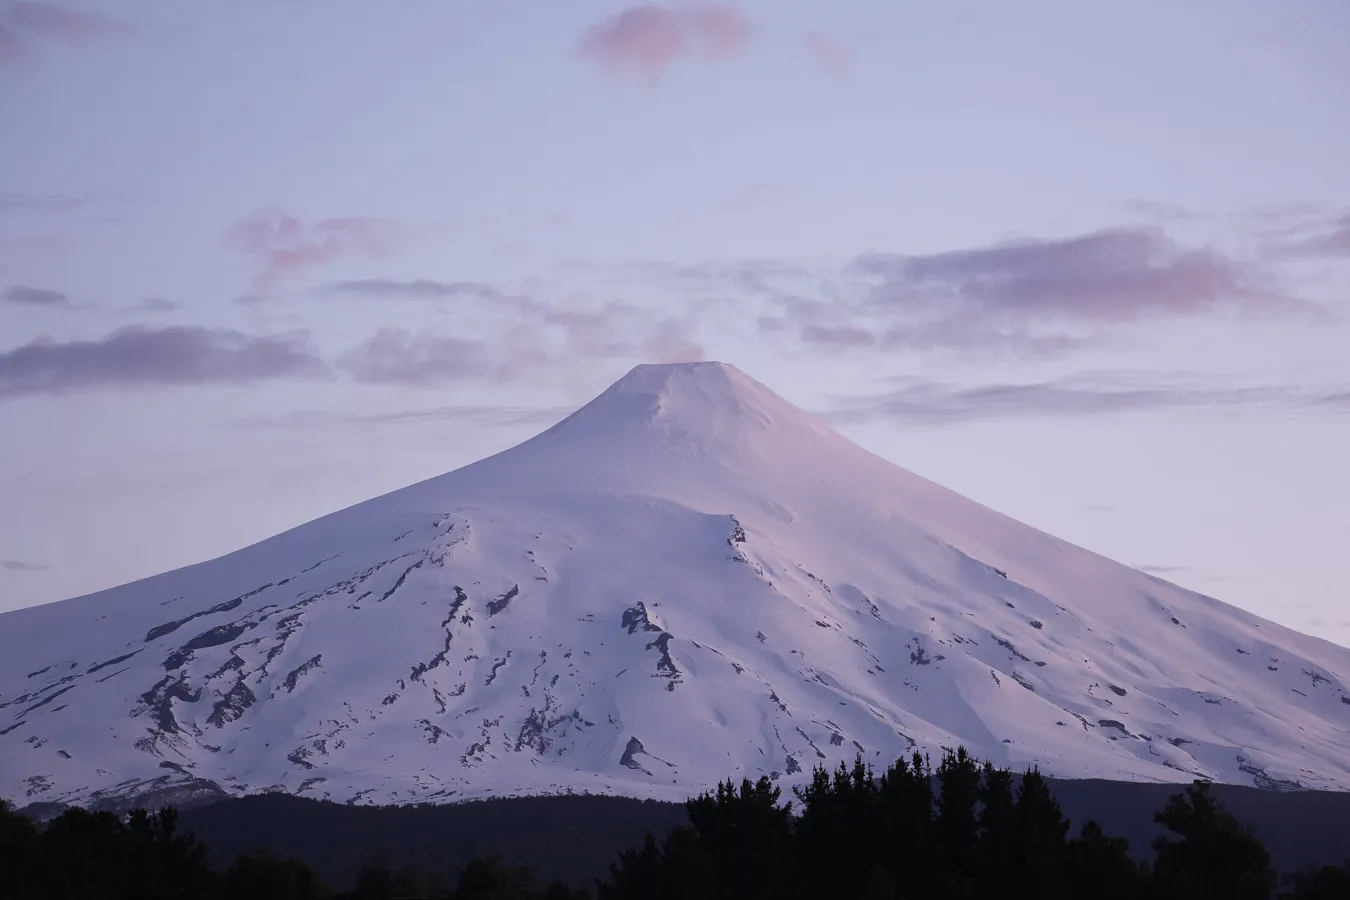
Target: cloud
284,246
521,336
1332,239
538,330
26,23
483,416
1029,298
926,402
645,40
1260,220
831,54
141,356
1036,298
839,337
1113,275
398,356
620,330
18,565
24,295
1337,399
418,289
104,206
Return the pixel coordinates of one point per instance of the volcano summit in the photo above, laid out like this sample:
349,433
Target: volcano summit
687,578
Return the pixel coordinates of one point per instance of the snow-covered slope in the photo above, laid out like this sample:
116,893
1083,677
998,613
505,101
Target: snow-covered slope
687,578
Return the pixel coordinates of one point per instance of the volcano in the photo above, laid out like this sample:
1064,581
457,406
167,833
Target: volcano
686,579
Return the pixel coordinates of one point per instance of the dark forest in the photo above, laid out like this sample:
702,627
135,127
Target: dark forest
956,831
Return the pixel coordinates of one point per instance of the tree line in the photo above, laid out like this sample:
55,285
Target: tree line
960,831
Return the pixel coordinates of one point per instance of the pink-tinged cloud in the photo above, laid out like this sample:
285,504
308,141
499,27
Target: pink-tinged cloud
24,23
646,40
718,31
832,54
283,246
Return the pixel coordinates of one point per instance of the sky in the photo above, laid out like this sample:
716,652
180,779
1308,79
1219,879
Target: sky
1084,262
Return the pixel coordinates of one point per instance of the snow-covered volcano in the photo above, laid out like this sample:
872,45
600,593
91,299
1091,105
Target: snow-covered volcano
688,578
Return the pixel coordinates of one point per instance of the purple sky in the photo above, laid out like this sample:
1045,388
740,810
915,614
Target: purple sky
1083,262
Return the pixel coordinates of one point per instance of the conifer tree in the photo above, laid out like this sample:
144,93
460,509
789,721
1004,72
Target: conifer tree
998,833
262,876
748,838
490,879
1212,855
1321,883
19,865
1098,867
956,826
839,836
1041,841
905,801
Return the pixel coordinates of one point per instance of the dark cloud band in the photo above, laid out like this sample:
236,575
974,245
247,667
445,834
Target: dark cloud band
142,356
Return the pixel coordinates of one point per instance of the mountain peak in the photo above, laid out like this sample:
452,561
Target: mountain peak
717,382
696,399
663,372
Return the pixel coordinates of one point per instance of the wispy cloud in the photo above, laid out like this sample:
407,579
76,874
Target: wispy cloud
1329,239
283,246
830,53
541,329
1265,215
16,202
483,416
18,565
556,343
24,295
927,402
619,330
27,24
418,289
1337,399
646,40
509,335
398,356
141,356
